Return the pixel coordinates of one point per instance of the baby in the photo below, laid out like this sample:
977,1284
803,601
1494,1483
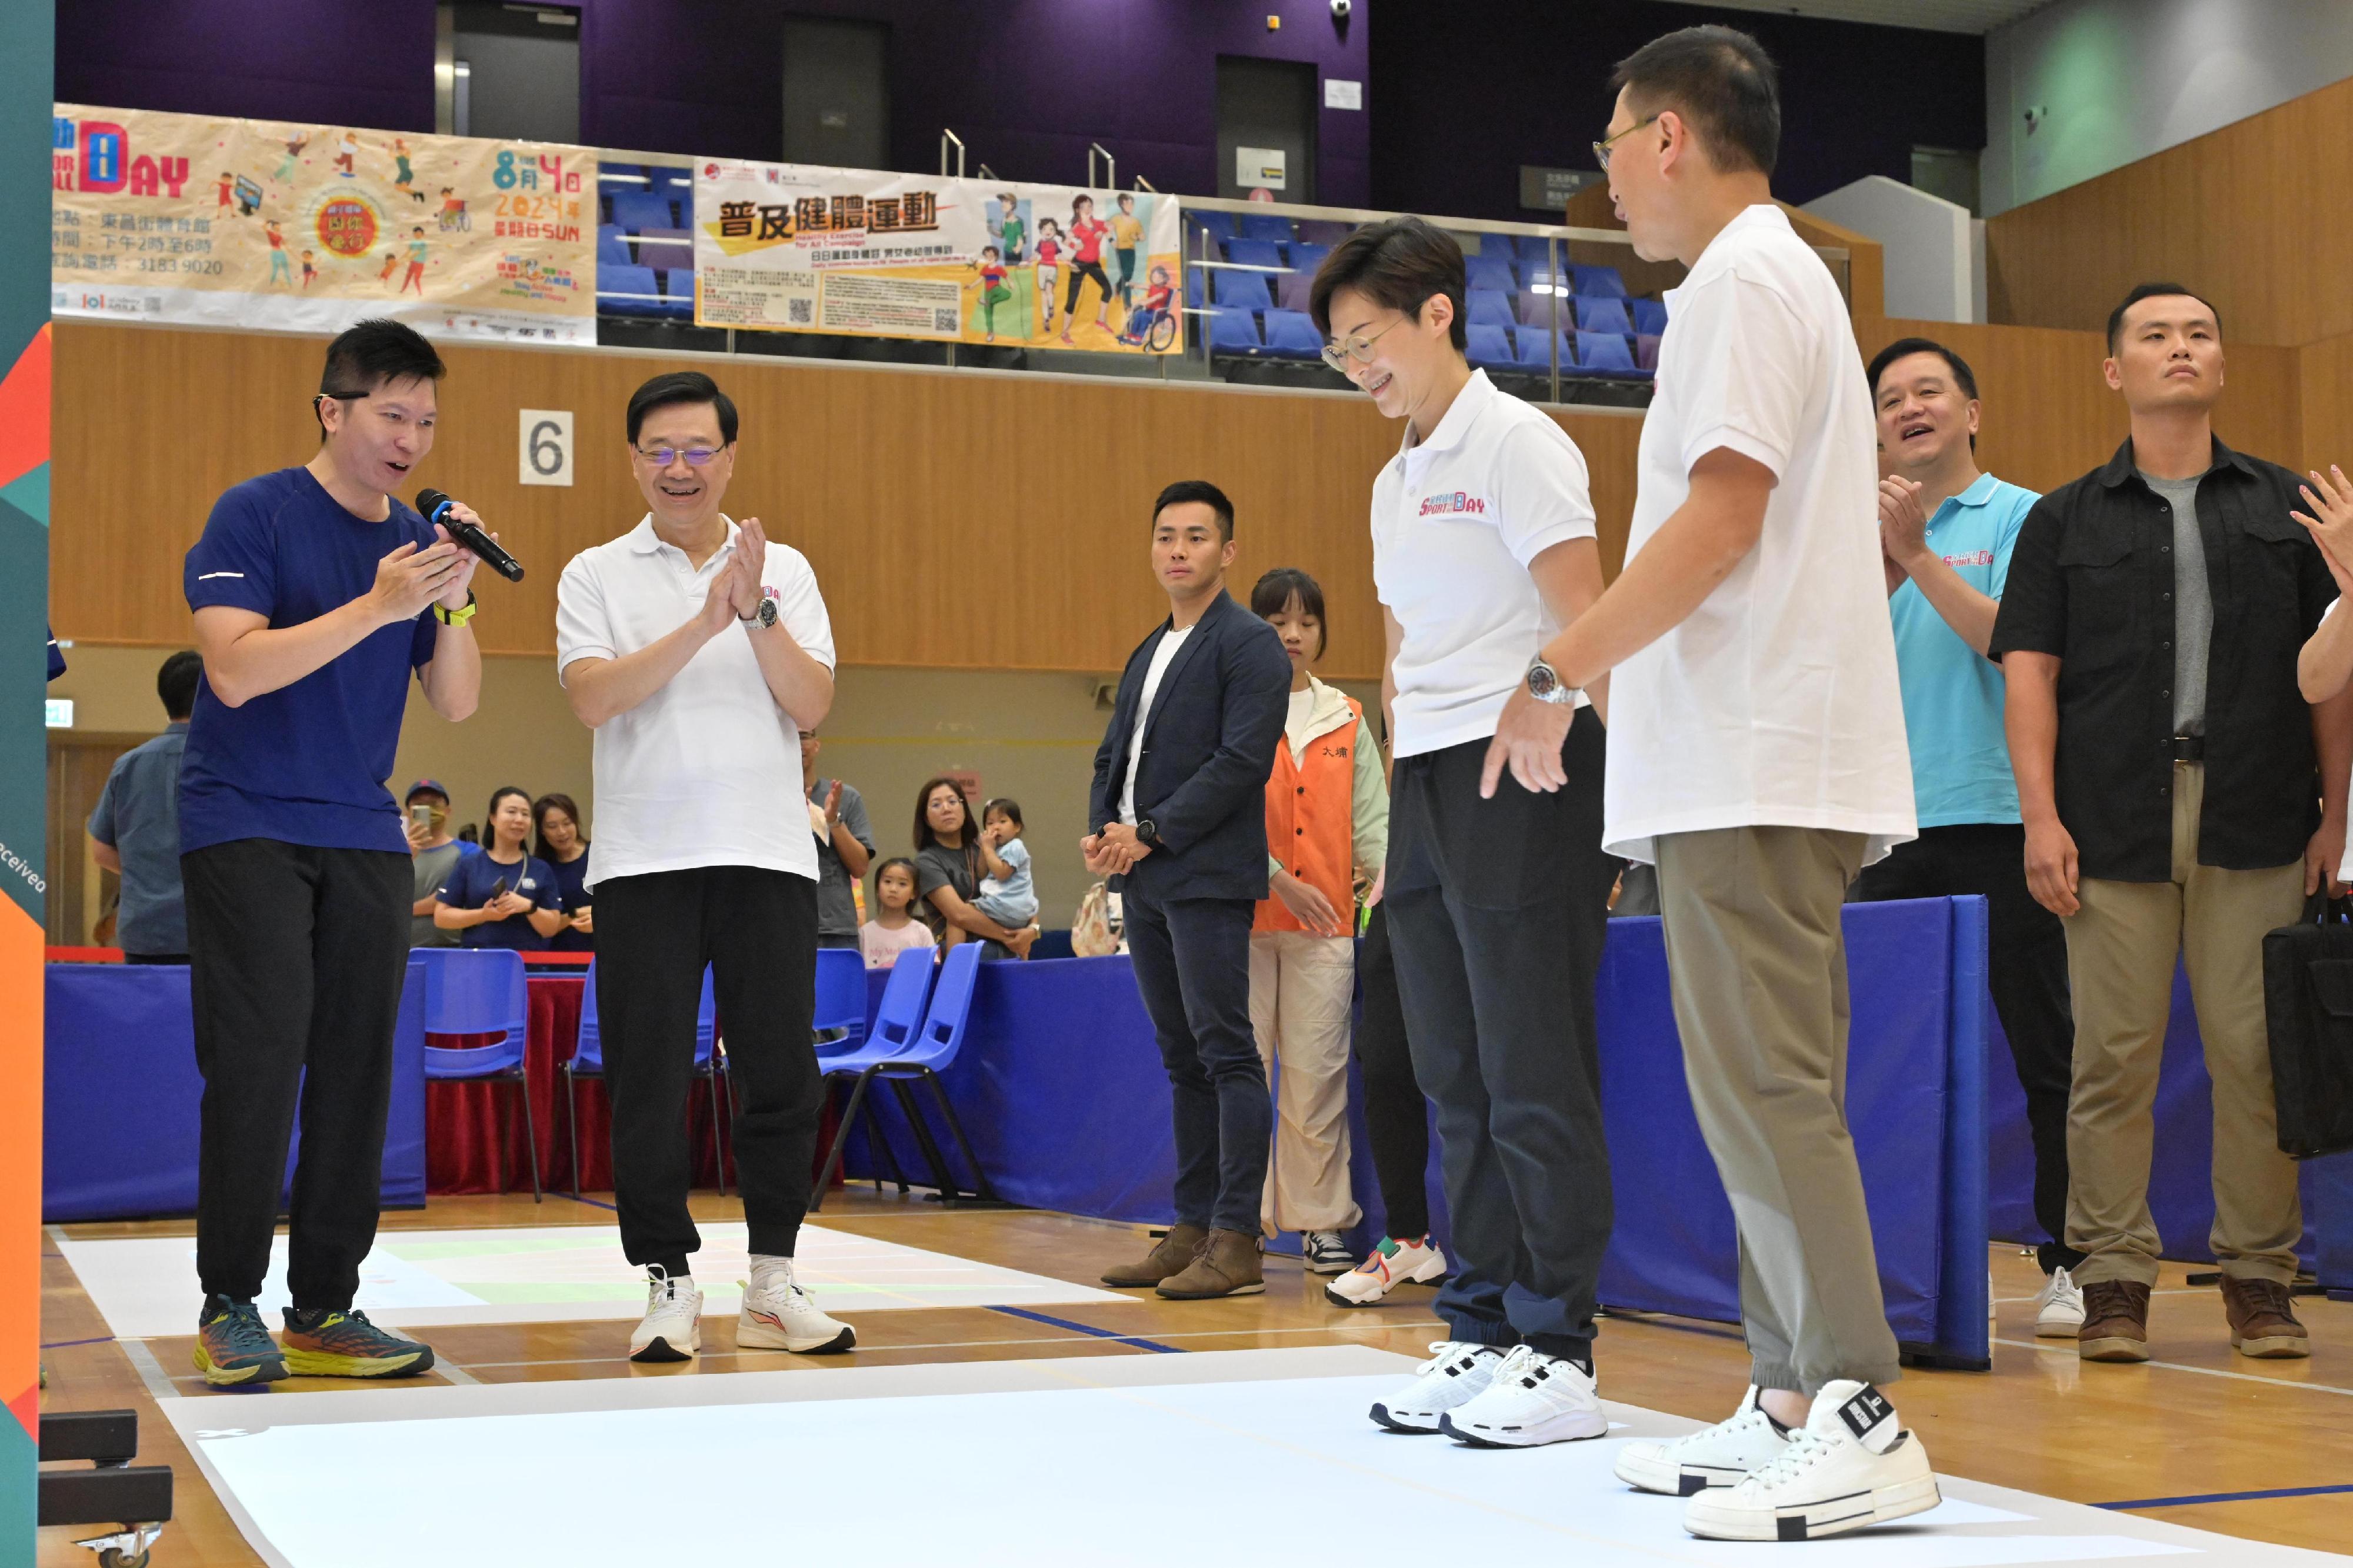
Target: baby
1007,895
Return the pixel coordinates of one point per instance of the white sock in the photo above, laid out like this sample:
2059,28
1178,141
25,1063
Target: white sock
764,1266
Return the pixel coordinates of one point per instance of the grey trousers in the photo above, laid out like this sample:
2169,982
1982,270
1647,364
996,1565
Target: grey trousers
1757,965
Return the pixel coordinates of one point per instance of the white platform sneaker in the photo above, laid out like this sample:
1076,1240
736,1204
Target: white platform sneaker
1721,1456
778,1315
1455,1374
671,1328
1851,1465
1396,1261
2059,1309
1532,1400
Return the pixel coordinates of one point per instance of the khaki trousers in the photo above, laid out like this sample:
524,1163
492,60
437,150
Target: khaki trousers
2121,946
1301,989
1757,962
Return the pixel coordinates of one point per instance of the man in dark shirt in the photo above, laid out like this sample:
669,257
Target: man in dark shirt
2172,782
135,829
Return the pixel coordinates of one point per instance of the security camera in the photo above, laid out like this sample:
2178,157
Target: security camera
1340,9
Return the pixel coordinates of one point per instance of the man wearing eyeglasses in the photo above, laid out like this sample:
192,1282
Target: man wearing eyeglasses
699,651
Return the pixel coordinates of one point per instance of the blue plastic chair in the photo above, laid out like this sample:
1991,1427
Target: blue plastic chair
1243,291
1271,226
664,250
1535,308
1646,352
612,249
1232,330
1292,334
638,210
1221,225
676,179
1535,353
1489,347
1604,316
1306,256
1649,317
588,1061
1489,307
1606,354
897,1018
678,296
1599,282
628,292
1491,270
840,997
479,990
1254,253
928,1053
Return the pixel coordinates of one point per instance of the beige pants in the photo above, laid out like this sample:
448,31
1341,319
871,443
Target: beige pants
1301,989
1756,962
2120,952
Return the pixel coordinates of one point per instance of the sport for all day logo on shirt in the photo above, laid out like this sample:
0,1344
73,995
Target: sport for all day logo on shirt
1452,502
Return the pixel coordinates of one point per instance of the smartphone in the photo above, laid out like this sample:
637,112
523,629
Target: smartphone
422,815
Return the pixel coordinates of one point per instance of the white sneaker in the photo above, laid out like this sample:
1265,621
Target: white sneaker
1850,1466
1323,1252
1393,1263
1721,1456
671,1328
1532,1400
778,1315
2059,1309
1455,1373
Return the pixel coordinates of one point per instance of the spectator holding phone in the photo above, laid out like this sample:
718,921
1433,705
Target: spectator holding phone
503,897
558,843
433,854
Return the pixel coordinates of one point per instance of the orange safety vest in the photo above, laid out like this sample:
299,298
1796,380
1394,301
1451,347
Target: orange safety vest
1310,820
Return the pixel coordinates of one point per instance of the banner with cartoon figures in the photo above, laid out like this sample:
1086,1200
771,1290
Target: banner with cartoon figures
796,248
249,223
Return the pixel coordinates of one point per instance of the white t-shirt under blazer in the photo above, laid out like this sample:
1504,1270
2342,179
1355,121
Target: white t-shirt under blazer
705,771
1775,702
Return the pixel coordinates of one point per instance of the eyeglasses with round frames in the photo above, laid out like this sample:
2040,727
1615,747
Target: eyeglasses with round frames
1358,347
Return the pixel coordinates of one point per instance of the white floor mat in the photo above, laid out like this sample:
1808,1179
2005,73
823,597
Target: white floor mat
1039,1464
146,1287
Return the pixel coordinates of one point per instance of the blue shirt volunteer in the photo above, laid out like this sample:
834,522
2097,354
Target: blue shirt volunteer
306,764
1952,693
138,813
476,880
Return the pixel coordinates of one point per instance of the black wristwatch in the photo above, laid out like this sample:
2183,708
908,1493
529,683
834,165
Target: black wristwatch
1145,833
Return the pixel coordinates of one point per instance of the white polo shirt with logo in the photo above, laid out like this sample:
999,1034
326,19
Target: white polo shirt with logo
705,772
1457,519
1775,702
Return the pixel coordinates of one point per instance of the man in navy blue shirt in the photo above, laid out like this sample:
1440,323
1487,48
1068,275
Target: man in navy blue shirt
316,592
135,828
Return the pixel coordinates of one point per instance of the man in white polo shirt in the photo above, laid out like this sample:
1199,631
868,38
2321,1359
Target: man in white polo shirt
1483,547
699,652
1757,756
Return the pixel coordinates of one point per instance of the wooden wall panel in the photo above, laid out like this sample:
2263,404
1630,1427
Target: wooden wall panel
955,519
2251,214
2327,376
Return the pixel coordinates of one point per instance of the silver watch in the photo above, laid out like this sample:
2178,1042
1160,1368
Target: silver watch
1546,684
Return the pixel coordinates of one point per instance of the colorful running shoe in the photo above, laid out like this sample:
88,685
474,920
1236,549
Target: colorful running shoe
1398,1260
323,1342
232,1347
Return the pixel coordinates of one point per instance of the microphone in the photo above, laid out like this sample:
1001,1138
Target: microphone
435,508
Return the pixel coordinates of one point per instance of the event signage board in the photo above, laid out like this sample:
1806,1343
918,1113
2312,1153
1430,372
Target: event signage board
794,248
186,218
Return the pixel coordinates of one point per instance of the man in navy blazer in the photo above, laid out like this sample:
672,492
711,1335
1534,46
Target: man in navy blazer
1178,814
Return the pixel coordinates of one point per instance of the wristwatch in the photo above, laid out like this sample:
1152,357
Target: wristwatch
457,617
766,614
1546,684
1145,833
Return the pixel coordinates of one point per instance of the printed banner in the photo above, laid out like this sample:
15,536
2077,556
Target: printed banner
794,249
250,223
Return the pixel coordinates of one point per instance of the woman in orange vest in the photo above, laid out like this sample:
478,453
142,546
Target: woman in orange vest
1327,817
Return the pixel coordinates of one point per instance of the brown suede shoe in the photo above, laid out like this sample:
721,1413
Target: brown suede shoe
2263,1323
1228,1265
1176,1250
2116,1322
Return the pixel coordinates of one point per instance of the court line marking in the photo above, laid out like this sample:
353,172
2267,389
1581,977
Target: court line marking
1088,1329
150,1371
2225,1497
62,1344
958,1345
2181,1290
2048,1348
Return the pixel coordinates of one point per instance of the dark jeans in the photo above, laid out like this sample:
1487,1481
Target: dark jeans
297,959
837,939
1497,911
1395,1114
756,932
1192,966
2026,964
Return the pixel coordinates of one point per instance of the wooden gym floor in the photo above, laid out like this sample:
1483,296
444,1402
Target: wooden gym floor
2197,1422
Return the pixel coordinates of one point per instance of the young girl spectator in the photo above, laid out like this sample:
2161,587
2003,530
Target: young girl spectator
948,870
1007,893
894,928
556,832
1050,253
502,897
1328,814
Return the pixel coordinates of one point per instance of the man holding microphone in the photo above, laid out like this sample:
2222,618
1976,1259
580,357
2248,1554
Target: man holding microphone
316,592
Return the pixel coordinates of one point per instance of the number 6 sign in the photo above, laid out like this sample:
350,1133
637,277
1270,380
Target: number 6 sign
546,446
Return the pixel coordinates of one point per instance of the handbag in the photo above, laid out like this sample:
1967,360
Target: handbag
2309,1017
1091,933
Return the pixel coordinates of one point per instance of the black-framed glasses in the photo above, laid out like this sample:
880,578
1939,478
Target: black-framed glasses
663,456
1357,347
1601,148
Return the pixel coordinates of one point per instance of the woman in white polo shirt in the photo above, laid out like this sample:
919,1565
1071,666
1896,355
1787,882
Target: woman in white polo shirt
1483,547
699,652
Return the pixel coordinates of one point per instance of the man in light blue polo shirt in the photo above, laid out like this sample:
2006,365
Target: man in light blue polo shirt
1945,530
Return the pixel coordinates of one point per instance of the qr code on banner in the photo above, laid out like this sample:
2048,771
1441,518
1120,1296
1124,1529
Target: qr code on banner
800,312
943,320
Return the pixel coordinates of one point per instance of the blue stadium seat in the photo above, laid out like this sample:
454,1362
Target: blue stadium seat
638,210
675,178
1600,282
1295,291
625,175
1646,352
1603,316
678,296
1536,310
1325,232
1491,346
1246,290
1232,330
1605,353
1254,253
1271,227
612,250
1491,270
1306,256
1221,225
1489,309
1532,249
628,292
1292,334
1196,286
664,249
1650,316
1535,354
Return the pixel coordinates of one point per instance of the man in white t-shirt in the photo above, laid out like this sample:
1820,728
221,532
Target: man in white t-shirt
1757,758
699,652
1482,548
